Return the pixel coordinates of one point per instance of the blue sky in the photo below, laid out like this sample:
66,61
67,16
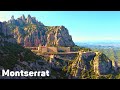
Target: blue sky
82,25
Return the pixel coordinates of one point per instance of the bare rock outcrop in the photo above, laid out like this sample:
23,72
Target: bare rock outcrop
59,36
100,64
30,32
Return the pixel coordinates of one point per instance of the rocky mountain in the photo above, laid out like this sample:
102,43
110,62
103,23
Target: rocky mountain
58,36
30,32
5,34
89,64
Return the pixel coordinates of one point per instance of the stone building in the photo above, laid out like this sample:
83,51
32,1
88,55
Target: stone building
43,49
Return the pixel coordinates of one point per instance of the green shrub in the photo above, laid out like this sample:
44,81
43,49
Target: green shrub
10,55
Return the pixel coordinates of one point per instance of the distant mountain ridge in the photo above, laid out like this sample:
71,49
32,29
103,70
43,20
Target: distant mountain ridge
104,43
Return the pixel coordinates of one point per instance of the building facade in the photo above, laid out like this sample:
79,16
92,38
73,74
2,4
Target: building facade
43,49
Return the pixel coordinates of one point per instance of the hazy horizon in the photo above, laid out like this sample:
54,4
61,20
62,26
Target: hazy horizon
82,25
98,41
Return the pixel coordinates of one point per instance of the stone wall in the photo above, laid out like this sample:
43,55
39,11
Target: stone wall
44,49
52,49
65,49
71,56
